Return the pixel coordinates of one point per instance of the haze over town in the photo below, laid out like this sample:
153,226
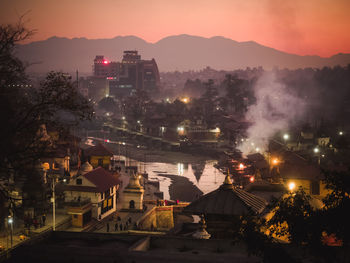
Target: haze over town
178,131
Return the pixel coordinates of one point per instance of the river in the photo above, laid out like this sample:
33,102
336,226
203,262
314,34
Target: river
201,174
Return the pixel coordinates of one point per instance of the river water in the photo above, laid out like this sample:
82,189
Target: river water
202,175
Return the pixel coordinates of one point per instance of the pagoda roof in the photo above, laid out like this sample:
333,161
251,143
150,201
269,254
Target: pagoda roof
227,200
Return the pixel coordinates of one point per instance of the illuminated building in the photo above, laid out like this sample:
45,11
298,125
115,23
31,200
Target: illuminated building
129,75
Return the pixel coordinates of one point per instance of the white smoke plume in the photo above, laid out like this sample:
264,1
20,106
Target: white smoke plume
274,111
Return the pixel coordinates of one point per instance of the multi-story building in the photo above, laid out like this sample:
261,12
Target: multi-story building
125,77
91,194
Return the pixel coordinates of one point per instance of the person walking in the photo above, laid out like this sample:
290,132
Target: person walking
107,227
116,227
43,218
121,227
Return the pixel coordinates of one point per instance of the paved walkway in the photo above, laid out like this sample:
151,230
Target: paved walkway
20,234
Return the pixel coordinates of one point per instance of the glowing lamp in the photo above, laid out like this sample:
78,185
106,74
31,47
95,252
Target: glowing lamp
341,133
252,179
291,186
316,150
105,62
275,161
241,166
286,136
180,129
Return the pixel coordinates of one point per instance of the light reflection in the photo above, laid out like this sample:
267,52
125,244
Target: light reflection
180,168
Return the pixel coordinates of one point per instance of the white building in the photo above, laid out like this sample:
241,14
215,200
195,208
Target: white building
98,185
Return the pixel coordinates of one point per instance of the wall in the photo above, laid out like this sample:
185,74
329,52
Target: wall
106,161
165,217
306,185
132,195
160,217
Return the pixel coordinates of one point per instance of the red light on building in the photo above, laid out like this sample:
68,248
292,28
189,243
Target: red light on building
251,179
105,62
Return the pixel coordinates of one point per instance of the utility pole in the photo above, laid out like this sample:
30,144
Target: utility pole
77,79
53,203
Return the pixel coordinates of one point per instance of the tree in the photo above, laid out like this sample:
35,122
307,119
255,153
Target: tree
24,109
294,218
136,105
108,104
12,70
335,215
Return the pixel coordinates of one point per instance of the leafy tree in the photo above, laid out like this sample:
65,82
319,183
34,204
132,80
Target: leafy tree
294,218
24,109
239,92
335,216
108,104
135,105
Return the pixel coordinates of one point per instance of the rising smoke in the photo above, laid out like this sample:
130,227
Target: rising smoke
275,110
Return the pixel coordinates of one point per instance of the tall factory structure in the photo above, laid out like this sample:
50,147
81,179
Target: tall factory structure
120,79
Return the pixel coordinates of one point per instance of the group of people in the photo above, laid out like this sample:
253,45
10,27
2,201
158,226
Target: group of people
34,221
120,226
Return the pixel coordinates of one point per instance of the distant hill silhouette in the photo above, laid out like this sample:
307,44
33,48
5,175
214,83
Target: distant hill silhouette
182,52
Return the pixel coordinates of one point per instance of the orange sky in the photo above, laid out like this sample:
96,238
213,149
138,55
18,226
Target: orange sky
305,27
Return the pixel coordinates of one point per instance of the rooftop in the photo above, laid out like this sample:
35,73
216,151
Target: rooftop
227,200
102,179
98,150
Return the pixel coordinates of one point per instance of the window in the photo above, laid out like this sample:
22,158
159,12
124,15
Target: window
315,188
107,193
79,181
107,205
132,204
75,216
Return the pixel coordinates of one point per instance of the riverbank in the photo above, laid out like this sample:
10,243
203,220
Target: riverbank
182,189
147,155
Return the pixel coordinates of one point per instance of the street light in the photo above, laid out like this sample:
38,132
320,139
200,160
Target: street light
291,186
317,152
275,161
10,221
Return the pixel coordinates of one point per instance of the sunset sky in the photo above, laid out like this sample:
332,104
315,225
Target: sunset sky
305,27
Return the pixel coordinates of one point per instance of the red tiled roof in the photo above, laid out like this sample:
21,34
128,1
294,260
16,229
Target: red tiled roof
98,150
102,179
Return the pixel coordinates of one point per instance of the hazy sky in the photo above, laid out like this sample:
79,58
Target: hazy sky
320,27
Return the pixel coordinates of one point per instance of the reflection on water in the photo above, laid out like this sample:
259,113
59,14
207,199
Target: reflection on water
202,174
180,169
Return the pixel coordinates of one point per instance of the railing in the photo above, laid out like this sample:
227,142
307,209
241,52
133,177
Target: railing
79,203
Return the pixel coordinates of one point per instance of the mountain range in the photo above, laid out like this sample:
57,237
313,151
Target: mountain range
181,52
